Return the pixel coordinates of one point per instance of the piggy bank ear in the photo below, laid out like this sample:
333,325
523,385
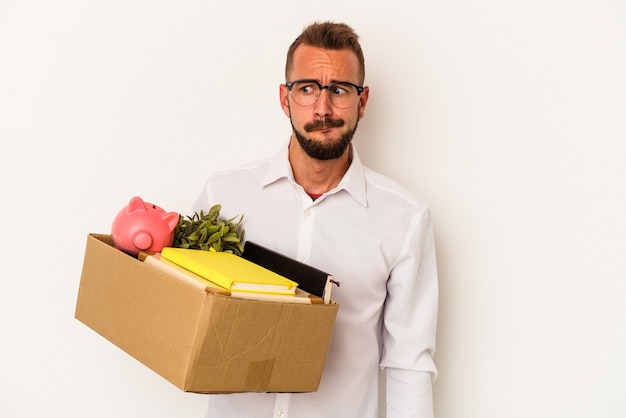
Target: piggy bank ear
171,219
136,204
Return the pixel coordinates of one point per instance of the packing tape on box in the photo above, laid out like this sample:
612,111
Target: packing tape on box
259,374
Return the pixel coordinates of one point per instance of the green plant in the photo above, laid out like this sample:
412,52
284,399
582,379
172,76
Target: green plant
210,233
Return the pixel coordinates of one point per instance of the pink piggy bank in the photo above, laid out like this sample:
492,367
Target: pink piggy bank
143,226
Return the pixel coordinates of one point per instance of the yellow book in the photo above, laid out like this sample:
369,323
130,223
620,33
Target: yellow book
230,271
174,270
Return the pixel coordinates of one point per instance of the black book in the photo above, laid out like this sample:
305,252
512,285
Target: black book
309,278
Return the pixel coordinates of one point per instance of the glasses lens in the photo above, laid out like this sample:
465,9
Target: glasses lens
305,93
342,95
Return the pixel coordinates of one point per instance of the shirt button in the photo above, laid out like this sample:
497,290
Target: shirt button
280,414
307,213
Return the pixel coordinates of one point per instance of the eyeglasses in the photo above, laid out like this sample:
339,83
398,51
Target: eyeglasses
342,94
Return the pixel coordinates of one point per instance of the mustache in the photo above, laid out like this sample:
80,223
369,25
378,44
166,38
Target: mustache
324,124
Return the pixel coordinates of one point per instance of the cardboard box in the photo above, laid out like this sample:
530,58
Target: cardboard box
199,341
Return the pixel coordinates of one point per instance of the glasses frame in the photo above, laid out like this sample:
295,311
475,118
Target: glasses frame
290,84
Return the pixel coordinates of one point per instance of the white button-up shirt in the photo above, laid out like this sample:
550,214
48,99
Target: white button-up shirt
376,239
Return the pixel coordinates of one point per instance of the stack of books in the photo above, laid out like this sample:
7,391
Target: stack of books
261,274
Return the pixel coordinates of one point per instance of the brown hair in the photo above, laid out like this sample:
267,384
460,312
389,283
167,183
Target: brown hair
328,35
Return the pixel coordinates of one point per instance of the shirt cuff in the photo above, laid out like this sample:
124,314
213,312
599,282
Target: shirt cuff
409,394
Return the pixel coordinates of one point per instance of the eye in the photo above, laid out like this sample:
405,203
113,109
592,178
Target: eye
306,88
340,89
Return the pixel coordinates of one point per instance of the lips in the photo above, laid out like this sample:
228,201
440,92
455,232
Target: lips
324,125
321,130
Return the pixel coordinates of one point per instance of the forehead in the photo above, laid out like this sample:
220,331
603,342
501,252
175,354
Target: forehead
324,64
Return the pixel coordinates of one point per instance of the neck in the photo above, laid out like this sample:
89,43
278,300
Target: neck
317,176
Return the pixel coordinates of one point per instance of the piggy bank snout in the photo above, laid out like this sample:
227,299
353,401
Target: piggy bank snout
142,240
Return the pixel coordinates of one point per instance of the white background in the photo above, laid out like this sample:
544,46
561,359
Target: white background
508,117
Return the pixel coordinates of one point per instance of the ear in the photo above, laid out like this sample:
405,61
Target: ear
171,219
284,100
136,204
363,98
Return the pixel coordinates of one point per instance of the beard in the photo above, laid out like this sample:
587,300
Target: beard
320,150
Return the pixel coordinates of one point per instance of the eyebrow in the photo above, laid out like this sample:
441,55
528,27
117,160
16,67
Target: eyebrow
331,81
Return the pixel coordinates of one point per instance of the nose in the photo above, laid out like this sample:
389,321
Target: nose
323,105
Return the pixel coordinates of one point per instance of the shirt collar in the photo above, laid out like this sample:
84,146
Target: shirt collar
353,181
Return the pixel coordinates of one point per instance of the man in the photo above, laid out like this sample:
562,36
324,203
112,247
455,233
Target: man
316,202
